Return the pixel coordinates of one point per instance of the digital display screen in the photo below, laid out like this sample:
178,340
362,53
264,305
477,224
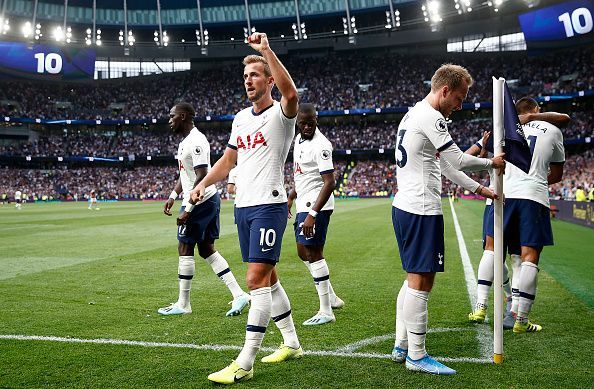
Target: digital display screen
562,21
46,62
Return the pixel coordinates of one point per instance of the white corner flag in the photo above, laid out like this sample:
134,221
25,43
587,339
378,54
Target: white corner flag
498,141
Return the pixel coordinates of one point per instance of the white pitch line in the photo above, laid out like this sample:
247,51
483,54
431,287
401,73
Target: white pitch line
219,347
351,347
484,334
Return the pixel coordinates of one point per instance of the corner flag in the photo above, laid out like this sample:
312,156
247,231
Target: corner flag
515,146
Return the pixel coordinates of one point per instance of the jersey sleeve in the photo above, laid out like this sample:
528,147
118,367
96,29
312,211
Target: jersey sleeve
436,129
558,149
324,158
200,157
233,138
232,176
287,122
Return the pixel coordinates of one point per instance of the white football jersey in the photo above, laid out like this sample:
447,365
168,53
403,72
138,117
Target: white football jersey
17,195
193,152
546,144
262,142
422,133
232,176
311,159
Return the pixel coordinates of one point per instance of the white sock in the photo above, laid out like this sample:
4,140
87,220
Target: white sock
528,278
415,318
506,283
485,279
331,293
185,273
258,318
401,337
321,276
221,268
281,314
516,262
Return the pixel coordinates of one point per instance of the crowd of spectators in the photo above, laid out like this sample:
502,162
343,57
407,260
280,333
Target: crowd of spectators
335,81
367,178
363,135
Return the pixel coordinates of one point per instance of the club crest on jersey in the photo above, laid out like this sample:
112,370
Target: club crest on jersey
326,154
198,150
441,125
249,143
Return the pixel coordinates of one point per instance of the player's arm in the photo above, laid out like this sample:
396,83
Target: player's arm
323,196
459,178
200,172
219,172
290,199
560,120
174,194
230,188
282,78
478,149
460,161
555,173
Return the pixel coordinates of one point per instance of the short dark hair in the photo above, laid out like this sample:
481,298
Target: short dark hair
307,108
525,104
187,108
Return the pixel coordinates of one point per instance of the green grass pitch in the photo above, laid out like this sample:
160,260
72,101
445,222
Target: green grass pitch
68,273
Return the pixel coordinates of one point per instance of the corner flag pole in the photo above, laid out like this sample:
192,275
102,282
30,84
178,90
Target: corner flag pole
498,95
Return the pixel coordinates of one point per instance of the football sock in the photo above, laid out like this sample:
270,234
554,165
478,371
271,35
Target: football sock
506,283
401,338
221,268
331,293
516,262
281,314
528,278
258,318
321,277
185,273
415,318
485,279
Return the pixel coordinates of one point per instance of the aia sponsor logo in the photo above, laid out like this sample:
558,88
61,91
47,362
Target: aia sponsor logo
249,143
297,168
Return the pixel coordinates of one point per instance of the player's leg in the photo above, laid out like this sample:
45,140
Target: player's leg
527,289
321,277
187,235
185,274
283,319
535,232
485,269
400,349
258,281
319,239
206,248
421,245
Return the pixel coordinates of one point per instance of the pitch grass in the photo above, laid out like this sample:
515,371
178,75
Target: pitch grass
70,272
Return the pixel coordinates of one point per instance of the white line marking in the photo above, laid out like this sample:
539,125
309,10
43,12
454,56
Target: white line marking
484,334
221,347
351,347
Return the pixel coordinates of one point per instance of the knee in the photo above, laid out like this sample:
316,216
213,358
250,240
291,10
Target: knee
254,281
206,250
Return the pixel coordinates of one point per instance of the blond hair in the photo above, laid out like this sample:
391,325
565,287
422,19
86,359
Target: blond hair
450,75
255,59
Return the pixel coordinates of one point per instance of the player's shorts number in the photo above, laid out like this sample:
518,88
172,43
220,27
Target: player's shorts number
182,229
267,236
403,156
580,22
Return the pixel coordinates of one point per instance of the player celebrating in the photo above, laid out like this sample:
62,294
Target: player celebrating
17,200
93,200
198,224
527,209
425,150
314,182
259,144
485,269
